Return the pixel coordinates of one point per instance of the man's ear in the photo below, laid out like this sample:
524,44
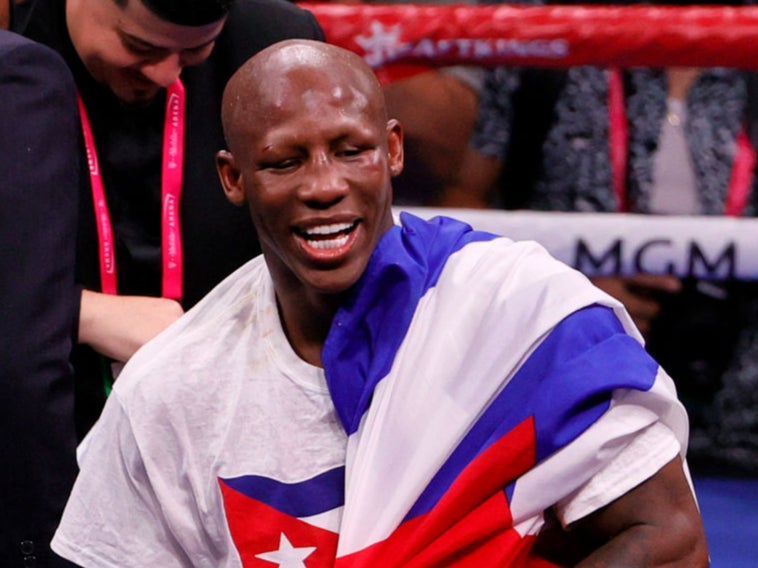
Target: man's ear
395,146
231,177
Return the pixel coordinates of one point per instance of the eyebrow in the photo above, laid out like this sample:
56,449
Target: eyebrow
143,44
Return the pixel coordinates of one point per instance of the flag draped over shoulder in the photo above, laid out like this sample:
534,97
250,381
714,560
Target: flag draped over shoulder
480,382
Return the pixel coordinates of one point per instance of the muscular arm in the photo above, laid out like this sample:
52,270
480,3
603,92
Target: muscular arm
655,524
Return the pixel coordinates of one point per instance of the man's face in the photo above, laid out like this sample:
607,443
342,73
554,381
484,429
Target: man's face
131,50
316,175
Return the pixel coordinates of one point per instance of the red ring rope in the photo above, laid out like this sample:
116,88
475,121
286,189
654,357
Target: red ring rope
556,36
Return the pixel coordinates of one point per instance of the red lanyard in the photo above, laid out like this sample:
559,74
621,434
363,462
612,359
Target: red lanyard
171,189
742,168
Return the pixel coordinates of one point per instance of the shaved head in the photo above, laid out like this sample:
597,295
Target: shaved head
312,154
286,73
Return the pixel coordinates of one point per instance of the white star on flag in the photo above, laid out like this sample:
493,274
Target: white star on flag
287,556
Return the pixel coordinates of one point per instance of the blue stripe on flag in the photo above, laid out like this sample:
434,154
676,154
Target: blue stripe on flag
313,496
566,384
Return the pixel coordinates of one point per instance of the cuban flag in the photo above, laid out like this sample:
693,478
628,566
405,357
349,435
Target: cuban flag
480,383
289,524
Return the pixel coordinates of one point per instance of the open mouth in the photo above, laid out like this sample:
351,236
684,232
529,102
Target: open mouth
328,237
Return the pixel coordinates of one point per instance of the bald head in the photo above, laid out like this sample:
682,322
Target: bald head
290,73
312,154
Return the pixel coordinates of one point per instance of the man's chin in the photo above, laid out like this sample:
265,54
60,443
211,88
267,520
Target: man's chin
136,97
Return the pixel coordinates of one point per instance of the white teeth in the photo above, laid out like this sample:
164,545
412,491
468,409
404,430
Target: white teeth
329,243
328,237
328,229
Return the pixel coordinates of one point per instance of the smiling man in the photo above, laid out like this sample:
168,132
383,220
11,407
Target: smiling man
155,233
371,394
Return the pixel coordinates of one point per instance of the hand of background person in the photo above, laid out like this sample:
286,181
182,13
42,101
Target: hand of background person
641,294
116,326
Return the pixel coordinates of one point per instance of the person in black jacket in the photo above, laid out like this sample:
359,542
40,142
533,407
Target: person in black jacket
40,176
155,231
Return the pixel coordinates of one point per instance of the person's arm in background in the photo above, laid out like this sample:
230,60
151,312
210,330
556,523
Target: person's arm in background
437,109
39,300
117,326
474,184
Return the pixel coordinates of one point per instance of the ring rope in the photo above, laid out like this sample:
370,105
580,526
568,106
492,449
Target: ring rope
557,36
710,247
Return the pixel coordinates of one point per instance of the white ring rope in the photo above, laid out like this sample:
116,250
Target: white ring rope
623,243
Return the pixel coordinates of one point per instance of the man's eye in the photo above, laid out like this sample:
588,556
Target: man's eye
139,50
279,165
348,152
145,51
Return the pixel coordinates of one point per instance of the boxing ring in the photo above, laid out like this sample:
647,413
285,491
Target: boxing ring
399,40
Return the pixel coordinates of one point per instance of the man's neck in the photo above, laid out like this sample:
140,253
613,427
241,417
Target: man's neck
306,325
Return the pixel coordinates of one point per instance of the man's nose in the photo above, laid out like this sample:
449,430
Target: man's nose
165,71
326,183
